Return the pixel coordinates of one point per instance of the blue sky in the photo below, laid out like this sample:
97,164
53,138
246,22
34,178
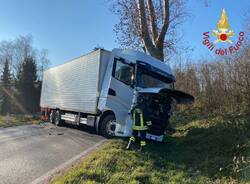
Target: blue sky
70,28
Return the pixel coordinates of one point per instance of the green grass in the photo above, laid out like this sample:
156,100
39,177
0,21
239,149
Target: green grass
201,151
17,120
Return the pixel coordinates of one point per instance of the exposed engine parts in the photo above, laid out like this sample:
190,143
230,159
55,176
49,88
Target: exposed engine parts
158,110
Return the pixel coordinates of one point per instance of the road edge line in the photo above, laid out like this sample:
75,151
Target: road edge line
47,176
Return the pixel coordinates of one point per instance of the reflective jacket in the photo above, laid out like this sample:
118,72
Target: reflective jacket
138,119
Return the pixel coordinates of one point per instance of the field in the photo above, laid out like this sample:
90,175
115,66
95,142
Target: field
211,149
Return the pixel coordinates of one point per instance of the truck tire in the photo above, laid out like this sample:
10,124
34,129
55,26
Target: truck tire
58,120
107,127
52,117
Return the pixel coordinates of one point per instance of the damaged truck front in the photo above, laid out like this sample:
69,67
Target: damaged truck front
144,75
99,90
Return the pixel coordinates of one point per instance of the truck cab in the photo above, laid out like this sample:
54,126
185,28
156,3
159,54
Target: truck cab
128,74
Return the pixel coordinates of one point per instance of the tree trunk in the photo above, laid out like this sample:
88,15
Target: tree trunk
154,45
157,52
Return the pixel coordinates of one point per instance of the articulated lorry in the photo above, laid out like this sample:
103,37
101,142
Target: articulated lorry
100,88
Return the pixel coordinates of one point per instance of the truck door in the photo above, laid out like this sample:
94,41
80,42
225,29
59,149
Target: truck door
121,89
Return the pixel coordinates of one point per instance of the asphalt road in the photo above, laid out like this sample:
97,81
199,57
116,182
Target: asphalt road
28,152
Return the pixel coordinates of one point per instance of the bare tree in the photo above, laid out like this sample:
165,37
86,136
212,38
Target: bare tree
221,86
43,63
20,48
149,24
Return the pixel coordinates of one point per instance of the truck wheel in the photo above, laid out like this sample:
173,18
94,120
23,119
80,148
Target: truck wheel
108,126
58,118
52,117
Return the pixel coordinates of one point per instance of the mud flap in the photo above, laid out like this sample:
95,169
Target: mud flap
124,130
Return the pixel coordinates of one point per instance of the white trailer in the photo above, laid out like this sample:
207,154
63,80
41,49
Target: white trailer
98,89
75,85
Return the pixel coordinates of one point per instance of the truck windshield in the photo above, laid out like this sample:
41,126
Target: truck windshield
149,79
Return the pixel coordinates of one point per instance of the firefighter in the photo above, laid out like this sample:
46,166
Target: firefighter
140,122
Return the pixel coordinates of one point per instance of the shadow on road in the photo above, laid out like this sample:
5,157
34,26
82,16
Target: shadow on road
80,127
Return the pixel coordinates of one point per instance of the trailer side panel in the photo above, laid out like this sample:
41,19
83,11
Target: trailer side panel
73,86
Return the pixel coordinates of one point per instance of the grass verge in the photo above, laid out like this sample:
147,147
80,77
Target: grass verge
17,120
203,150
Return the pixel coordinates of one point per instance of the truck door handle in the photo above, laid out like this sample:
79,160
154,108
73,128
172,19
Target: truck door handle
111,92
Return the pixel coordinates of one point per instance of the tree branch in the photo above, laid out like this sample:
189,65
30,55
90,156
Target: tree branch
165,26
144,28
152,19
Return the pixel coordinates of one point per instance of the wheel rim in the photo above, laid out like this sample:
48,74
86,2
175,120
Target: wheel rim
110,128
56,120
51,118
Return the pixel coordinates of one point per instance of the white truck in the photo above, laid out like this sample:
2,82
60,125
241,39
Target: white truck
99,89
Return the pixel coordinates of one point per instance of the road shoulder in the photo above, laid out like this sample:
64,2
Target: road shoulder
47,177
